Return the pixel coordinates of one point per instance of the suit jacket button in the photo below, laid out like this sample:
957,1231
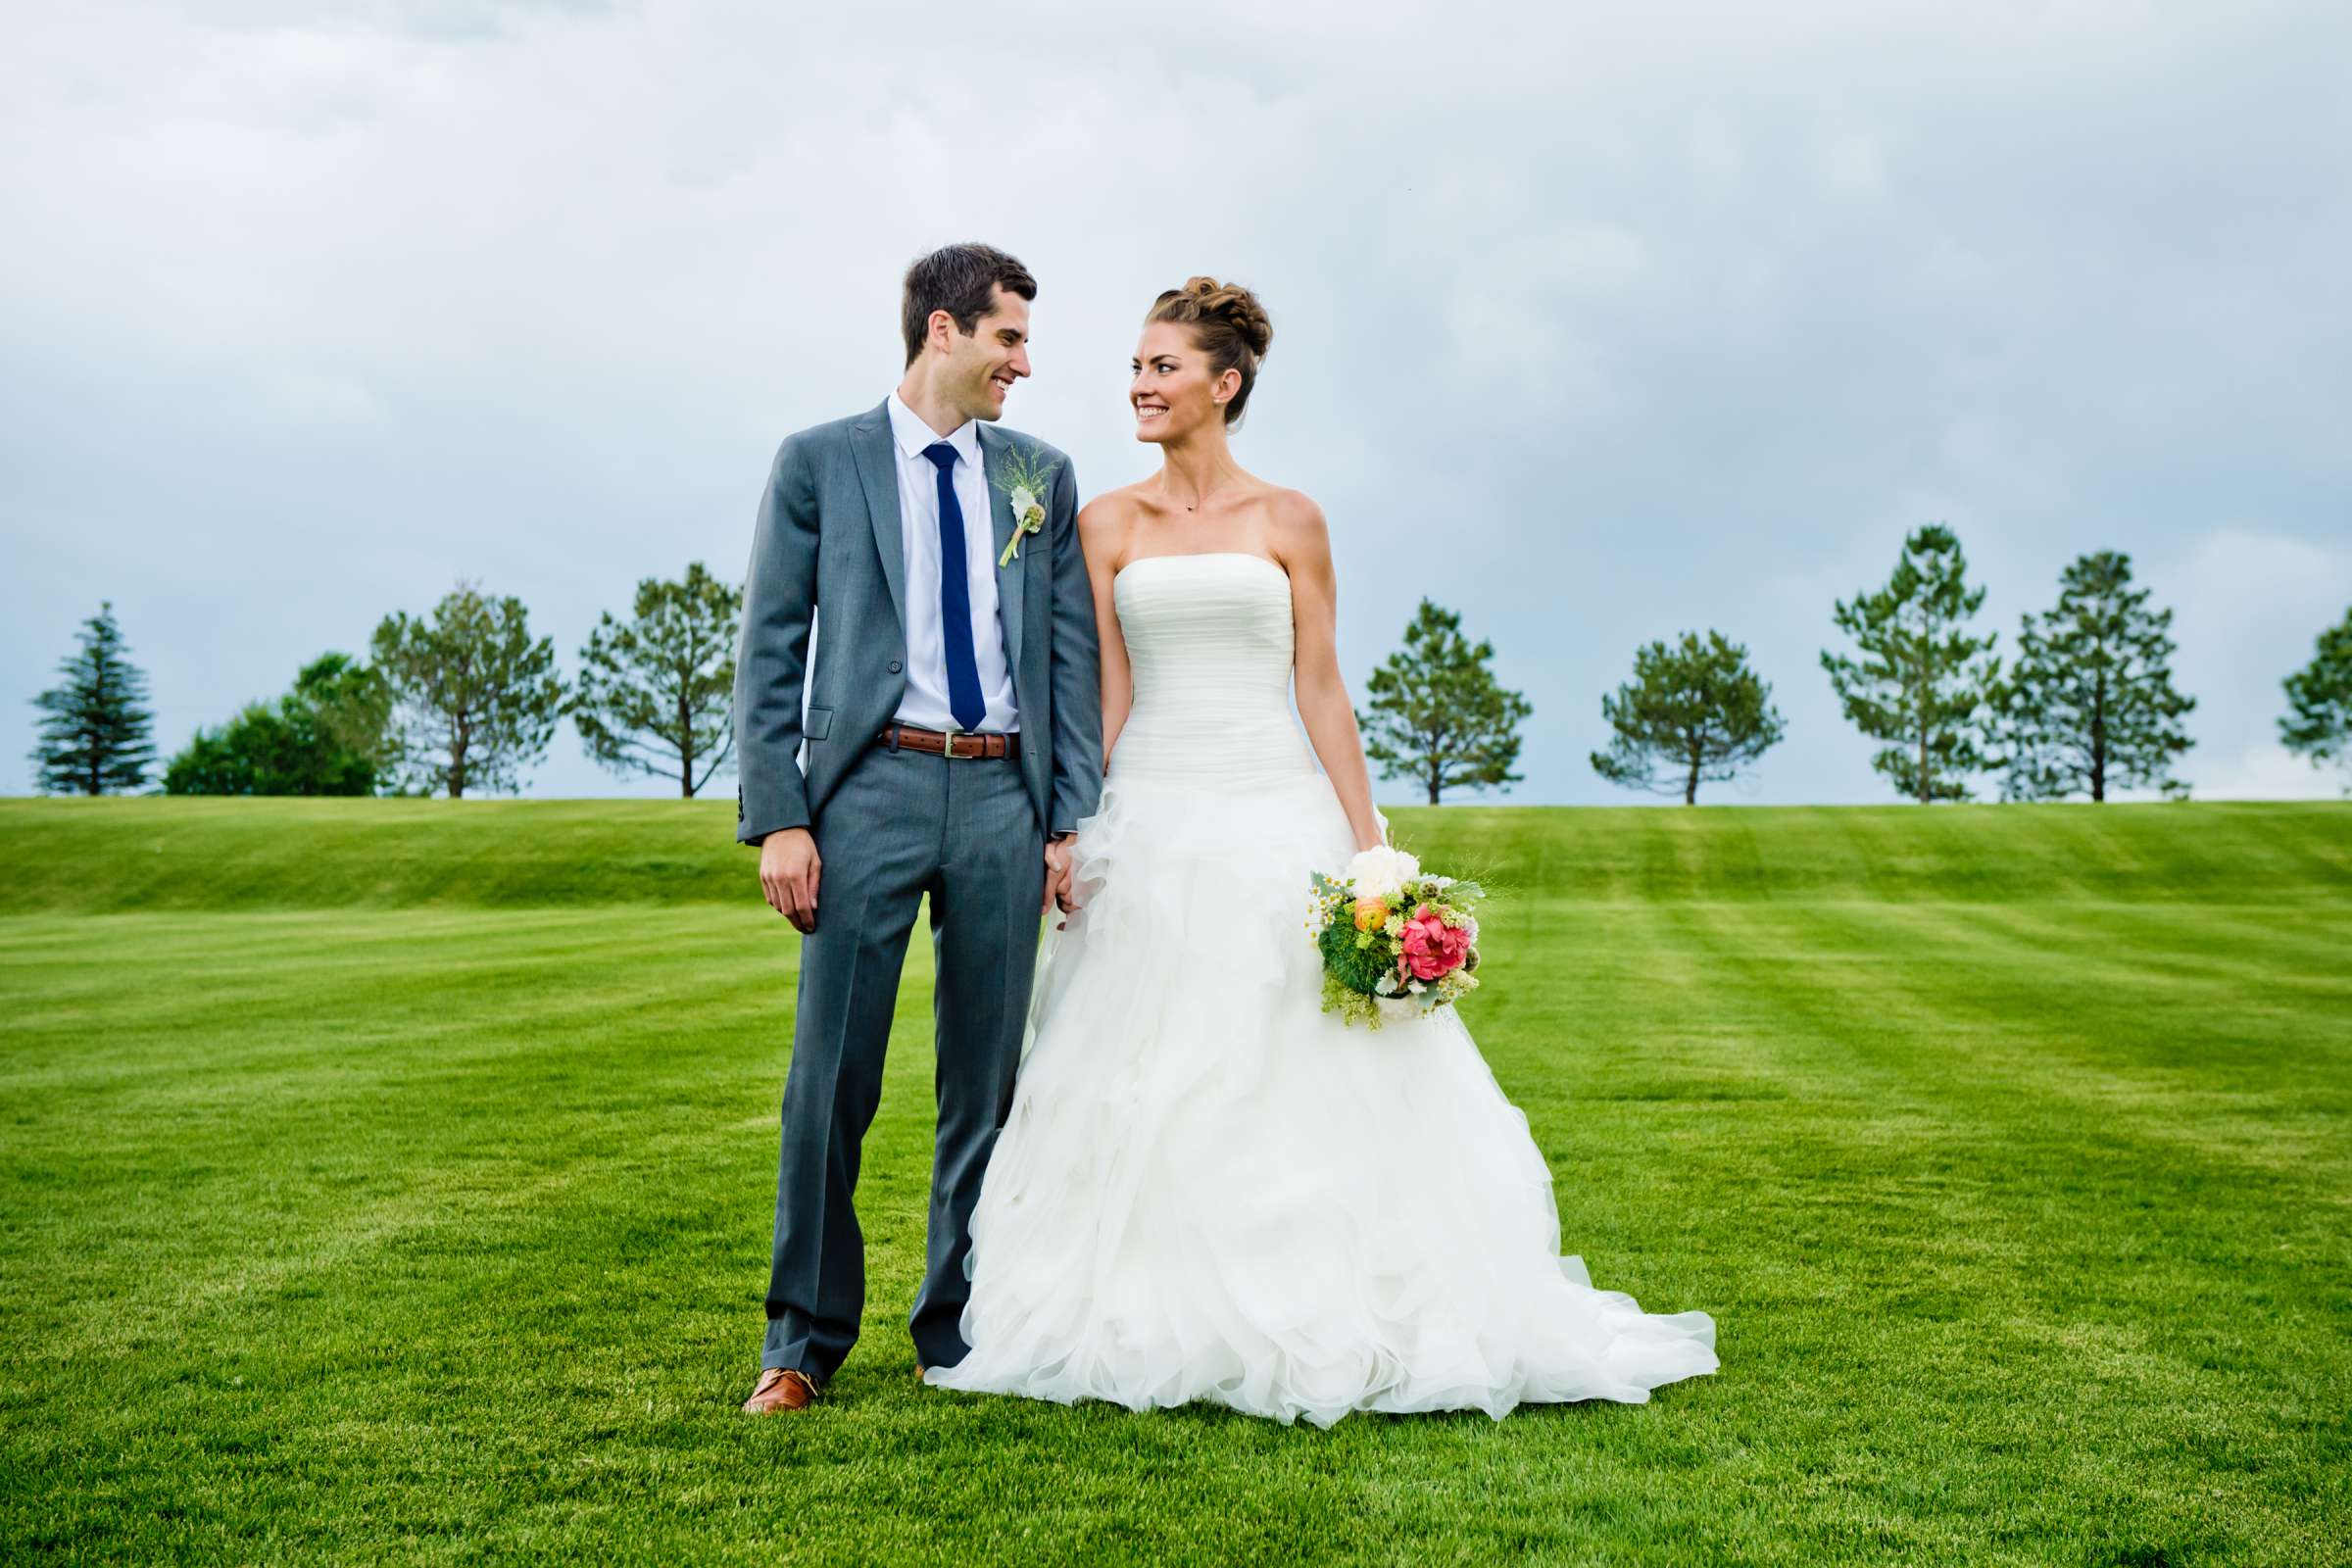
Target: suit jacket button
894,667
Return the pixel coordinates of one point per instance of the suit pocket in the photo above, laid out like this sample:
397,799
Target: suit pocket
819,723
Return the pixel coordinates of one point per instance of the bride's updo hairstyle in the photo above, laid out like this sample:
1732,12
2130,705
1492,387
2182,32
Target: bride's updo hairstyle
1227,323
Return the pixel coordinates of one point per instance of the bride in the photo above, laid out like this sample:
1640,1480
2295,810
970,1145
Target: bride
1208,1189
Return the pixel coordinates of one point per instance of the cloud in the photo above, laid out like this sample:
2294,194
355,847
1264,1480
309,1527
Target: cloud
1595,322
2268,773
2247,588
2249,605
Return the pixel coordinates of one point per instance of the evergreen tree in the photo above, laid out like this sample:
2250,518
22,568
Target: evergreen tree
325,737
656,692
1693,713
474,699
1438,716
2319,702
97,734
1921,684
2090,703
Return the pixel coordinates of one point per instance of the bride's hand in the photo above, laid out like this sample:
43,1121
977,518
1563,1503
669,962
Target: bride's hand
1061,880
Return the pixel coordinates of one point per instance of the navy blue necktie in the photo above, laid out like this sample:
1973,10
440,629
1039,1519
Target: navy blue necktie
955,597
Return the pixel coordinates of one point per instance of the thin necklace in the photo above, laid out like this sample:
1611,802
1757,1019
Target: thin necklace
1205,494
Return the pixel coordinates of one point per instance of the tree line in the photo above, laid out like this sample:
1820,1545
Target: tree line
2086,707
466,699
461,699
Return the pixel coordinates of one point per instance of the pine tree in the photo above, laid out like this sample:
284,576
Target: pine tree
1693,713
475,699
656,692
97,735
2318,723
2090,705
1437,714
1921,684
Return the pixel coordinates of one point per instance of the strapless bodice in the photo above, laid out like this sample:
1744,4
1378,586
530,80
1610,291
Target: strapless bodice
1209,644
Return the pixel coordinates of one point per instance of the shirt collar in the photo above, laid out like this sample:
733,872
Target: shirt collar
908,428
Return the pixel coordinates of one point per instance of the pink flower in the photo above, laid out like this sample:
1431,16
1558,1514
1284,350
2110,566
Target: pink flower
1430,946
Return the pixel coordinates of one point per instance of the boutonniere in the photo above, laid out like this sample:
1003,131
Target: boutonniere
1026,480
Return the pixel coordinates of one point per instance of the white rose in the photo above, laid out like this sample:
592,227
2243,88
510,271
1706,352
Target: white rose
1024,498
1381,873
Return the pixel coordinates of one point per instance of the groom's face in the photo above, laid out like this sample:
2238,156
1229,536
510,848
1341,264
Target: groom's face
982,367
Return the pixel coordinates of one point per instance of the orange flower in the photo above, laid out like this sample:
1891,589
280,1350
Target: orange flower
1370,913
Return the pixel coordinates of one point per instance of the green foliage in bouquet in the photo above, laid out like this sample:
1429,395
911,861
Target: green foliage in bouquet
1359,965
1353,957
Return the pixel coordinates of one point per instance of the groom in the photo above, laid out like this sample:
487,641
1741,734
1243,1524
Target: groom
954,738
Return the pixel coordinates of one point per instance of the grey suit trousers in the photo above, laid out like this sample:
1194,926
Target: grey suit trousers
902,824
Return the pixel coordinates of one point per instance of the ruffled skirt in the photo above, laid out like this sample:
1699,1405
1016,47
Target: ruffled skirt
1210,1190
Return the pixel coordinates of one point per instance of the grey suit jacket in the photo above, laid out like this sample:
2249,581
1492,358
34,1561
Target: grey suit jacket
828,535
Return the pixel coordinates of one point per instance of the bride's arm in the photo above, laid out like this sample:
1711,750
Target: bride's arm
1303,541
1100,534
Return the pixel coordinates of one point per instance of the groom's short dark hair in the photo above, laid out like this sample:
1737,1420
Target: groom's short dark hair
962,280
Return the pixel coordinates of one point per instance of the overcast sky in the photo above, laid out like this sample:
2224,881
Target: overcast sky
1595,322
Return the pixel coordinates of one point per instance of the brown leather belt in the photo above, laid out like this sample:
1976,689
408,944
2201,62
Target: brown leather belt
960,747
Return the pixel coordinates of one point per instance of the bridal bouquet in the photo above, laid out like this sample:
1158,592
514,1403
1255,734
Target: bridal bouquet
1396,944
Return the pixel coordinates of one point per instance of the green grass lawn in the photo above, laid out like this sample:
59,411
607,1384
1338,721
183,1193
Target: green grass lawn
391,1180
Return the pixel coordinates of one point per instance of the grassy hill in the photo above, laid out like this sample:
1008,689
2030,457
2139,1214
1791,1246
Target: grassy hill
390,1181
156,853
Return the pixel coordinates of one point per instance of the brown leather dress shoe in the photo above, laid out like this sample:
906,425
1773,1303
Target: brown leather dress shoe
780,1388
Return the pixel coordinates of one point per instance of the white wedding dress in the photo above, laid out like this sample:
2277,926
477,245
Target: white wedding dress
1209,1188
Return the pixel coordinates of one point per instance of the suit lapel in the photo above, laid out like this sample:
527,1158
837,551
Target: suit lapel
1011,575
878,475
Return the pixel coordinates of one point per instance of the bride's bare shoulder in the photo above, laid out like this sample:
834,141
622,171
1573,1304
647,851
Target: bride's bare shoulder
1297,531
1111,505
1106,523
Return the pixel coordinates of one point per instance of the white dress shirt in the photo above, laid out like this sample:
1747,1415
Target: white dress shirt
925,704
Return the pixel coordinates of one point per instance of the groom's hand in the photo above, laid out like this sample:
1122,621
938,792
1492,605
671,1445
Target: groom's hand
789,866
1060,877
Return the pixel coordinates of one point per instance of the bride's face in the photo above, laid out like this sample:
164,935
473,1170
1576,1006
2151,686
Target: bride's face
1173,393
